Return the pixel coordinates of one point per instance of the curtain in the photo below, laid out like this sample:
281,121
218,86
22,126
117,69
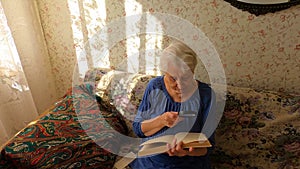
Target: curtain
27,87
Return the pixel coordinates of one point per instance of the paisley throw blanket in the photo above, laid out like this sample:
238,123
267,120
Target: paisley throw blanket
79,131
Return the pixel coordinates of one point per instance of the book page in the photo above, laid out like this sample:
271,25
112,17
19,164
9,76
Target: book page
190,137
123,162
162,139
154,148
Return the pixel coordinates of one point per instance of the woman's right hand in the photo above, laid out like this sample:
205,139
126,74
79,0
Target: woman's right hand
151,126
170,119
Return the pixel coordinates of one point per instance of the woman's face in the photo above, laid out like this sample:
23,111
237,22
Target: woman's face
179,82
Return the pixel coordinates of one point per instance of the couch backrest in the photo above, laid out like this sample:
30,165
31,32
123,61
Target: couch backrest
125,90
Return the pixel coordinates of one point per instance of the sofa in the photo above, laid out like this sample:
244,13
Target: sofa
259,129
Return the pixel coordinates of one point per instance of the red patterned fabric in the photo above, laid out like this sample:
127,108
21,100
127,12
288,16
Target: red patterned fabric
78,132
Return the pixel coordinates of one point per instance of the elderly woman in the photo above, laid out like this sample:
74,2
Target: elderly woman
164,97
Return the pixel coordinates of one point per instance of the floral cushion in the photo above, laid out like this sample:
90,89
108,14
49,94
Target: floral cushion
123,90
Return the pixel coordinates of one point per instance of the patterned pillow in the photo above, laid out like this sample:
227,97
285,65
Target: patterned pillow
123,90
94,75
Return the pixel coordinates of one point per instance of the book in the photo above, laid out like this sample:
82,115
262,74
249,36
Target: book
159,144
123,162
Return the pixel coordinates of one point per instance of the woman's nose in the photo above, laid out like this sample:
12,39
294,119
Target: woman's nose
179,84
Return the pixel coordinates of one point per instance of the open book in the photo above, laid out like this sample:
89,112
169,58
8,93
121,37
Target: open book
159,144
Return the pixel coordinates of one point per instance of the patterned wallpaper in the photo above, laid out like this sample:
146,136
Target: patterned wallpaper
260,52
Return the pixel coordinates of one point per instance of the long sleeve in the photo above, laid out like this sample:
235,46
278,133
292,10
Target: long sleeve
142,113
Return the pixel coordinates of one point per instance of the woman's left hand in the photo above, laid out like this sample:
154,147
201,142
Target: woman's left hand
176,149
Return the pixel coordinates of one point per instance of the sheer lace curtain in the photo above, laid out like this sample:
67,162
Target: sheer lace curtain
26,83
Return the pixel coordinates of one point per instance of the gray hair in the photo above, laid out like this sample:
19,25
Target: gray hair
180,55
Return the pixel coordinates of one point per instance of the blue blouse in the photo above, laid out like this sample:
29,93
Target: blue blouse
156,101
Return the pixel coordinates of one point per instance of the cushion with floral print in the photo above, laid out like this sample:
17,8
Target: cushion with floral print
94,75
124,90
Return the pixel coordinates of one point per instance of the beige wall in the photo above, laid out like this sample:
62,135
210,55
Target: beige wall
260,52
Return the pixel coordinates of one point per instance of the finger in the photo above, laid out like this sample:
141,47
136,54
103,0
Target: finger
169,146
173,115
173,146
169,150
170,123
174,142
174,112
180,150
179,147
165,120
